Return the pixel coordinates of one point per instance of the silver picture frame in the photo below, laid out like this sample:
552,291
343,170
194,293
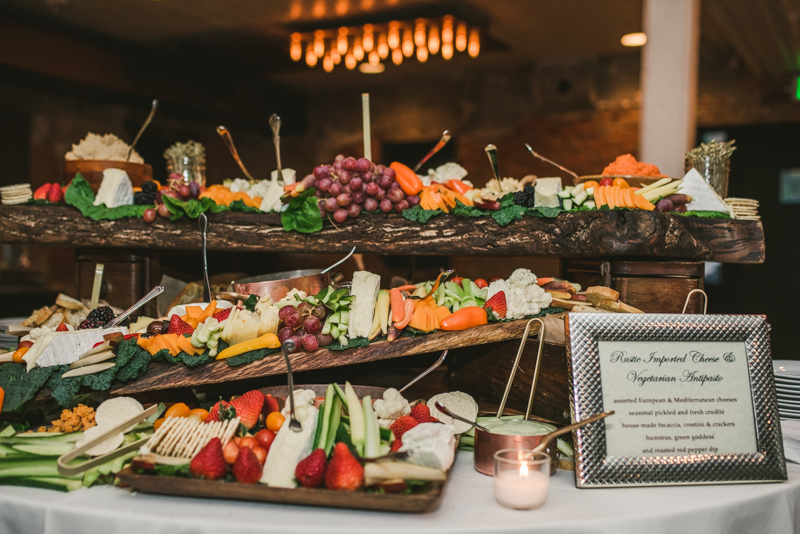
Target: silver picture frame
595,469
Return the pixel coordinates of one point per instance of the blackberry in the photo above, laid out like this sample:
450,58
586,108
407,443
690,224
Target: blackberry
519,198
90,323
149,187
143,198
104,314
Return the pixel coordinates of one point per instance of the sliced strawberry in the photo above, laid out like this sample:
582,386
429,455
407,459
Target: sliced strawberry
404,424
179,326
222,314
248,407
41,192
62,328
497,304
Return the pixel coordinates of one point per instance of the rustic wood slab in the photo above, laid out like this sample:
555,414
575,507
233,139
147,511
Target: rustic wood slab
585,234
161,375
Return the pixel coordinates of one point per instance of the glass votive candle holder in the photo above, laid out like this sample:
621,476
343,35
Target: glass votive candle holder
521,478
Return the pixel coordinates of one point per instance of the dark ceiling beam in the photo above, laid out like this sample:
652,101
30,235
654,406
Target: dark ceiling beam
777,35
735,37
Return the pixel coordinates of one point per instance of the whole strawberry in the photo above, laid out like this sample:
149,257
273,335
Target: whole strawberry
310,472
344,473
270,405
209,463
179,326
422,414
403,424
55,195
213,414
248,407
222,314
497,305
396,444
246,468
41,192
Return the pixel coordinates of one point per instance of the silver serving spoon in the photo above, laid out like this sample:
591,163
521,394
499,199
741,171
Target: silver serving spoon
142,129
203,222
426,372
294,424
441,408
443,141
396,455
275,124
226,137
153,293
339,262
547,438
551,162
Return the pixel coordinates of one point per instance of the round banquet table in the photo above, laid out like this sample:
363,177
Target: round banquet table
468,507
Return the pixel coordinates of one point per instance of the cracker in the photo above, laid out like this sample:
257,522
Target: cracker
117,410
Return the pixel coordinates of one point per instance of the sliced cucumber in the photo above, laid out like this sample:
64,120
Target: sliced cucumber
42,438
590,191
581,198
51,483
590,204
578,189
7,432
565,193
567,202
55,449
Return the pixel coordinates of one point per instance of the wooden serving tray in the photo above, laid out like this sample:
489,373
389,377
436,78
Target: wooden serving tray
425,499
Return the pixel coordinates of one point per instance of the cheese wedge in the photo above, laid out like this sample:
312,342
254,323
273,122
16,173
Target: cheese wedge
546,193
365,290
704,198
63,348
115,190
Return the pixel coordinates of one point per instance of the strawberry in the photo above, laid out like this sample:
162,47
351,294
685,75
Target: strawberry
497,304
248,407
55,195
270,405
247,468
222,314
396,444
179,326
62,328
422,414
403,424
209,463
213,414
344,472
41,193
310,472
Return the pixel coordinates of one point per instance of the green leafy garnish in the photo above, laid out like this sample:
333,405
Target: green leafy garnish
19,385
249,357
705,214
251,302
418,214
79,194
239,205
302,213
192,208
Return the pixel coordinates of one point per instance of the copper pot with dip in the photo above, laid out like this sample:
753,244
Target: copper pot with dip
516,432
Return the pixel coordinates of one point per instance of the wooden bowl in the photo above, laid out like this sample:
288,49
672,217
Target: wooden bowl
633,181
92,171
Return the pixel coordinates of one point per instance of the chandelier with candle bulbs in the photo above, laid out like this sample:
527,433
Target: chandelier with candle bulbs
371,44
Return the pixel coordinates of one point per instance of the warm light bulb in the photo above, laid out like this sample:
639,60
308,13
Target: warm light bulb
419,33
327,63
394,35
634,39
296,51
336,56
368,42
311,57
461,37
422,54
447,29
447,50
383,46
433,40
319,43
341,42
474,46
350,61
341,7
374,58
408,44
397,56
358,50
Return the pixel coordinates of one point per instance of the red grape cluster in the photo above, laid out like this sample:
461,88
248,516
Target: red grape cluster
303,325
351,186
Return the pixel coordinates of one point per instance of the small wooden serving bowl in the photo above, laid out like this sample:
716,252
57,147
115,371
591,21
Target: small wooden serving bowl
92,171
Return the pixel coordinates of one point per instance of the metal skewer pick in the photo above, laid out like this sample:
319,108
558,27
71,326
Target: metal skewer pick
287,346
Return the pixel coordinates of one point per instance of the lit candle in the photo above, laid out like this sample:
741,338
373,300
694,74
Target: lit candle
367,133
520,483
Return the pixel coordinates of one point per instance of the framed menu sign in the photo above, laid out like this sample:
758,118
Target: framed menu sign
693,399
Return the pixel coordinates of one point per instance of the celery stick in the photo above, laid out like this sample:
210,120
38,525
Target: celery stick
322,437
340,393
356,418
320,421
326,328
344,317
333,426
7,432
372,440
51,483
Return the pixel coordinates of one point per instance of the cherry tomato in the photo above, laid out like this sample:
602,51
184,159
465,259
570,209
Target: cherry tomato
178,410
19,353
458,280
158,423
606,181
199,412
27,343
236,440
590,184
481,283
249,441
275,421
230,452
265,437
620,182
261,454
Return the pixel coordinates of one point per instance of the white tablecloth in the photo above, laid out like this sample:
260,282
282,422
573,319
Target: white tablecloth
468,507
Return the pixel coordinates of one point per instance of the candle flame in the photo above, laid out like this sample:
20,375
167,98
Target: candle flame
523,470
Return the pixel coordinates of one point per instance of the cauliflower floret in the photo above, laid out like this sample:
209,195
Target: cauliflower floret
496,287
302,397
292,292
239,185
391,406
523,278
262,304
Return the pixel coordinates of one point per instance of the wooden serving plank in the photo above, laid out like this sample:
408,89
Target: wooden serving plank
599,233
161,375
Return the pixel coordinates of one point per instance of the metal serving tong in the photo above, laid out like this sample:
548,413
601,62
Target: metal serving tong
516,366
443,141
153,293
226,137
67,469
551,162
287,346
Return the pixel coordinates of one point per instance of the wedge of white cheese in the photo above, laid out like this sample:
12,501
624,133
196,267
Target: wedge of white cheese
546,193
704,198
365,290
433,445
63,348
115,190
289,448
